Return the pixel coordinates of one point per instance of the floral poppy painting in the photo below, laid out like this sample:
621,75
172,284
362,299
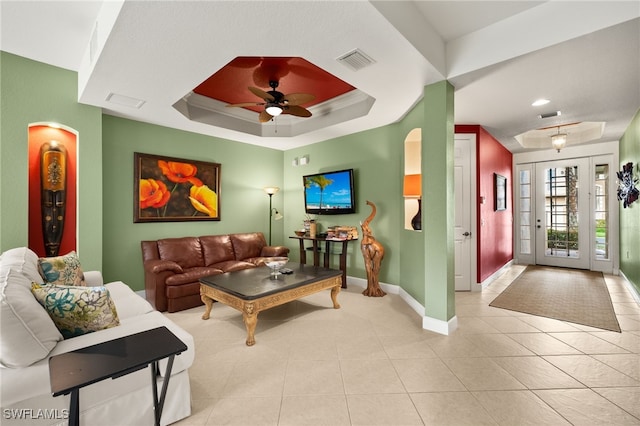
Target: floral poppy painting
172,189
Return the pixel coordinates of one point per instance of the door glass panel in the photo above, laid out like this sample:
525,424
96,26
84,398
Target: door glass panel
525,211
561,211
601,212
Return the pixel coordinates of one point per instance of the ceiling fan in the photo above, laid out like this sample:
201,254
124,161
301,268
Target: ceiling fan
277,103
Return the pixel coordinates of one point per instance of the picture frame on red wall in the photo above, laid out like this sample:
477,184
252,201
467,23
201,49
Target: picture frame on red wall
500,192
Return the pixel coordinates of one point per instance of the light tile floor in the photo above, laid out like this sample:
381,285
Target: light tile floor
371,363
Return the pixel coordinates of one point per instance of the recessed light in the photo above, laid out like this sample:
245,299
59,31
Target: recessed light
540,102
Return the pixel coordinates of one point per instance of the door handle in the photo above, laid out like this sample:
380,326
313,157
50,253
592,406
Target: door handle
467,234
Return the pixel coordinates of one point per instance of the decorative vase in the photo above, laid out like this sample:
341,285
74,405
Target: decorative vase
416,222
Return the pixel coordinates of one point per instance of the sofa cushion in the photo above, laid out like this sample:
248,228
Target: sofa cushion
191,275
128,303
62,270
185,251
248,245
24,261
77,310
216,249
27,333
234,265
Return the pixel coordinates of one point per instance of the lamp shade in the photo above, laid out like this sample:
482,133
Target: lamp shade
271,190
412,186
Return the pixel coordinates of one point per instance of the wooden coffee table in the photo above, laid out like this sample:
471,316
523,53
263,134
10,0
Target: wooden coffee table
252,291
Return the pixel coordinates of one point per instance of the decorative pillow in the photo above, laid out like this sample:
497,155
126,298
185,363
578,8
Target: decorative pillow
62,270
77,310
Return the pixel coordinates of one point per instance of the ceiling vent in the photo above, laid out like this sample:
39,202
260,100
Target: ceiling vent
124,100
356,60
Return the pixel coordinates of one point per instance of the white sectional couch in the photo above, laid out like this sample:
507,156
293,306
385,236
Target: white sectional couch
28,337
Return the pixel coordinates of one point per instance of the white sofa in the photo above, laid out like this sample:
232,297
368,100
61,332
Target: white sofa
28,337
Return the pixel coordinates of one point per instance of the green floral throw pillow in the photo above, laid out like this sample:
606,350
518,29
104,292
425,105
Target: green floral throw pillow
62,270
77,310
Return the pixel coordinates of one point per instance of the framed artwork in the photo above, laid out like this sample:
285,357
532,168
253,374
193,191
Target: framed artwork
500,192
170,189
627,190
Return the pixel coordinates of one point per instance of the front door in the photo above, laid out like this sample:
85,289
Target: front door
562,213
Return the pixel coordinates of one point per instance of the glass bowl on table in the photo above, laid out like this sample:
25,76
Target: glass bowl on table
275,263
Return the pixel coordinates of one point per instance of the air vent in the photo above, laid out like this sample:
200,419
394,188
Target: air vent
356,60
124,100
550,114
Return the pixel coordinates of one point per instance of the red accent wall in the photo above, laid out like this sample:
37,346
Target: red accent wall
39,134
494,228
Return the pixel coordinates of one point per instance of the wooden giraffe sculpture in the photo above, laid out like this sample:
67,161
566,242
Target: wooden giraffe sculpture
373,253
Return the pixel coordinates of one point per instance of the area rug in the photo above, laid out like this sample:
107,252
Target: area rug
572,295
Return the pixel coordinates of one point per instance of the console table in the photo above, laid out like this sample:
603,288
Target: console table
112,359
327,252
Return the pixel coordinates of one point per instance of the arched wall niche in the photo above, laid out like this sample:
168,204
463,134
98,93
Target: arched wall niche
412,166
53,160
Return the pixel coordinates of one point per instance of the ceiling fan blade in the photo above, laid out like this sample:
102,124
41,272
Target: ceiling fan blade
261,94
297,111
245,104
298,98
264,117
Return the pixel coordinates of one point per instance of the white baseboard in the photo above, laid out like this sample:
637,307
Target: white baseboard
440,326
428,323
484,284
631,287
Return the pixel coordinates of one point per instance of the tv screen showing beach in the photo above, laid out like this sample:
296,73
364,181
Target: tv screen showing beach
329,193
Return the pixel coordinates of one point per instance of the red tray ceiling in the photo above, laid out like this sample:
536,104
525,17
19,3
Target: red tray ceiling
295,75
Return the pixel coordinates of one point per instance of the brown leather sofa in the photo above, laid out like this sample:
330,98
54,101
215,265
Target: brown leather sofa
173,266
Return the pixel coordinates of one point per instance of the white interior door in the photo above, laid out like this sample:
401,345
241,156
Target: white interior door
463,213
562,213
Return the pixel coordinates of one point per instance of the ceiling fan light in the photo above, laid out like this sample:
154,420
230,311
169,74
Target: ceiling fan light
273,110
559,141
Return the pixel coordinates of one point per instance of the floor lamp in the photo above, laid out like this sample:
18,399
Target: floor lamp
273,213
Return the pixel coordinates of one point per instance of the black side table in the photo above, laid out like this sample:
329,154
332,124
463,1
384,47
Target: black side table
112,359
327,251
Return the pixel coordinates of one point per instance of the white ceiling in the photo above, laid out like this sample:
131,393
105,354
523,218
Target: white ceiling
499,55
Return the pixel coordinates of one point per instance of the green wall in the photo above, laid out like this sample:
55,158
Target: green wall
33,92
630,217
411,242
245,170
375,155
421,263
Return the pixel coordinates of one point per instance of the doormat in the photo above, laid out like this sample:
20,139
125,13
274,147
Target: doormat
572,295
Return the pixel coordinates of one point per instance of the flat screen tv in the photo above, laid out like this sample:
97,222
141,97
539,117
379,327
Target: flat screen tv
329,193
